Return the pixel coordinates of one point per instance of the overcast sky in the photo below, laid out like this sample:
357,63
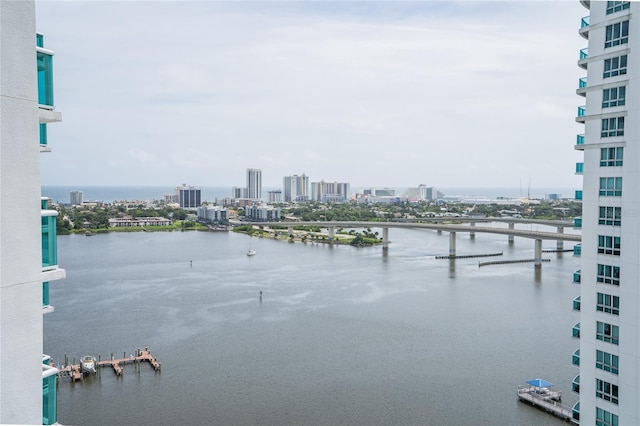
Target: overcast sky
448,94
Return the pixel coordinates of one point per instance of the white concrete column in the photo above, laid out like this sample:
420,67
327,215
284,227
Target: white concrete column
332,233
452,244
472,234
511,228
537,259
385,239
560,243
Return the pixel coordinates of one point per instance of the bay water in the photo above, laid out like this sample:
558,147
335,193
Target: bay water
341,336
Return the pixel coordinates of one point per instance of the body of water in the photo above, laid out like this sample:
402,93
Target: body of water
60,194
341,336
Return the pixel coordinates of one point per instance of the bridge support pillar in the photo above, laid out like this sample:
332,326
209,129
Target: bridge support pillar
472,234
452,244
385,239
290,230
560,243
332,234
511,228
537,259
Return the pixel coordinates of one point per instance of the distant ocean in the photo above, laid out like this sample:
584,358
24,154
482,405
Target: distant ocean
107,194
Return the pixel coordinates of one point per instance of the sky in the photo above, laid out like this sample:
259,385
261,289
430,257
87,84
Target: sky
380,94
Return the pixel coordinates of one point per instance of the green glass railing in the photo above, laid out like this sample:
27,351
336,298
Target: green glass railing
49,242
43,134
578,195
582,110
584,22
576,303
584,53
579,168
577,222
575,412
576,274
45,294
49,393
45,79
575,359
582,83
579,139
575,385
576,331
577,251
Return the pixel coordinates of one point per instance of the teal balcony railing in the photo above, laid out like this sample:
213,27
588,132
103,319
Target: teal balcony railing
577,251
578,195
49,392
575,412
578,273
577,222
576,303
575,385
582,83
579,139
45,73
43,134
582,111
584,53
45,294
576,331
579,168
575,359
49,237
584,22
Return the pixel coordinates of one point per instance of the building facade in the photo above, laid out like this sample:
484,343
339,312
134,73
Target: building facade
254,184
295,188
324,192
188,196
262,213
28,247
75,198
213,214
609,301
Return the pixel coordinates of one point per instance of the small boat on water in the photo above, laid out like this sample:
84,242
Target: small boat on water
251,252
89,364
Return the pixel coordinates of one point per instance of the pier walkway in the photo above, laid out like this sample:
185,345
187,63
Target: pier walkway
75,370
546,400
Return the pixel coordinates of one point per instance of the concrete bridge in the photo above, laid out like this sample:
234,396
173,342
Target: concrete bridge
452,228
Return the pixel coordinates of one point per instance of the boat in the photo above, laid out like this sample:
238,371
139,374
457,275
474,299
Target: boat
89,364
251,252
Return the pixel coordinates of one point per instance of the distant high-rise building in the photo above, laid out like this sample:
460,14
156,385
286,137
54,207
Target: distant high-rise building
237,192
428,193
330,191
188,196
254,184
296,188
274,196
75,198
609,302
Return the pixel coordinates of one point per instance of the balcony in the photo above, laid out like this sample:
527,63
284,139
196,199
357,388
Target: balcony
575,332
49,392
49,242
582,58
582,112
576,304
582,87
578,195
44,61
577,274
575,359
586,3
575,385
577,251
577,222
575,413
584,27
580,139
579,168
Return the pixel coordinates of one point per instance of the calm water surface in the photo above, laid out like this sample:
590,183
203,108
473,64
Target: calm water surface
342,335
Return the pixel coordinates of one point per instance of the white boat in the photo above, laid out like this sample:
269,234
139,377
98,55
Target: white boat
89,364
251,252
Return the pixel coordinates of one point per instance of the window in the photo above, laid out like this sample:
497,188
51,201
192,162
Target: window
614,96
611,187
608,274
615,66
611,157
609,245
606,391
605,418
613,126
607,332
608,304
610,216
616,6
607,362
617,34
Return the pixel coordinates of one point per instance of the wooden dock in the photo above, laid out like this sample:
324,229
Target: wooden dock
548,401
74,371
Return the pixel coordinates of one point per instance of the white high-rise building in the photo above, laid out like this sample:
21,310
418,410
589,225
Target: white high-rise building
75,198
330,191
254,184
296,188
28,250
609,303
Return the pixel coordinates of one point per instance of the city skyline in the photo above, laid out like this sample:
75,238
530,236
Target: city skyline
385,94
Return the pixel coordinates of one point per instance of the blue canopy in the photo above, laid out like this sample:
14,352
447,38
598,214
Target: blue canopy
539,383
